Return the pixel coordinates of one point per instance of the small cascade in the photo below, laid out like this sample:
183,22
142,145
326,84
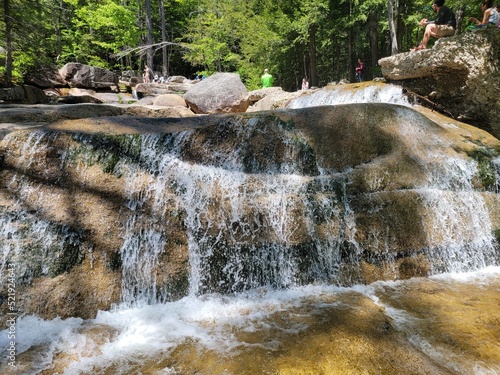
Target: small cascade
460,223
33,243
342,94
459,216
243,230
36,247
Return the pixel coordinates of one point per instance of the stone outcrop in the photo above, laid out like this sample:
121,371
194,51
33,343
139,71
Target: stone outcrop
23,94
28,116
156,89
219,93
91,77
344,198
460,73
272,98
45,77
170,100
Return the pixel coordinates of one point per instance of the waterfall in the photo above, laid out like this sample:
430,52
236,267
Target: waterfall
496,170
253,243
252,204
36,245
457,213
243,230
342,94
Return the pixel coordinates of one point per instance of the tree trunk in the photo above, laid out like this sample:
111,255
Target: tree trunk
392,8
164,39
351,58
459,19
400,27
56,10
304,63
149,36
373,35
312,53
8,43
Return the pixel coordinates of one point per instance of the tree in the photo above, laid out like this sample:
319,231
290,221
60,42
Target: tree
149,35
306,21
8,42
98,31
393,15
164,39
320,39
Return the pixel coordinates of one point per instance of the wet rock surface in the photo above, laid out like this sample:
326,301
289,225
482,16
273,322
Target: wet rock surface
365,188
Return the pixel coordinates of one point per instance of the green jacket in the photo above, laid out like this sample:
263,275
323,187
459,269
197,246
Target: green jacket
267,80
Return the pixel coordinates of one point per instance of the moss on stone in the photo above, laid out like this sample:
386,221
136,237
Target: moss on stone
483,157
496,235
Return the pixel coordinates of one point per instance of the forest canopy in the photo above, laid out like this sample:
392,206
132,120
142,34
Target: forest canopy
318,39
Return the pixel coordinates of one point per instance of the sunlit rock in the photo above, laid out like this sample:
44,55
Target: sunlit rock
219,93
461,72
85,76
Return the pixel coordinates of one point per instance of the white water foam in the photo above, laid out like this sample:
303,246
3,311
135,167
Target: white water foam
389,94
210,321
225,208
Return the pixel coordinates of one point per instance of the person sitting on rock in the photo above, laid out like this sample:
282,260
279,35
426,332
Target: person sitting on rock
490,15
444,25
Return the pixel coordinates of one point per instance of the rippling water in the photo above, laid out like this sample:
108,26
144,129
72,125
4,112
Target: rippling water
447,324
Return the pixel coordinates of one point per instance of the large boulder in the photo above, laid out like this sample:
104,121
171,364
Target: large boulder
23,94
169,100
177,79
219,93
91,77
44,77
271,98
459,73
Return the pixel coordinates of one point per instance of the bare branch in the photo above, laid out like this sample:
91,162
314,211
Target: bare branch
141,50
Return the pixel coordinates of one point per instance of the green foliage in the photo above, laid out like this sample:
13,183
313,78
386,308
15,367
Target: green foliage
486,170
217,35
99,30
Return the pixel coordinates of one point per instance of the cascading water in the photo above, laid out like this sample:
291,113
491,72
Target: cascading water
496,165
37,245
240,226
273,246
343,94
253,222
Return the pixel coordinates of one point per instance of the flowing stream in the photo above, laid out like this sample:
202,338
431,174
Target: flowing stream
260,307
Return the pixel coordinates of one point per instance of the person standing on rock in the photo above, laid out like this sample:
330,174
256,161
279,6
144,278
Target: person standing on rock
305,83
146,75
359,71
267,79
444,25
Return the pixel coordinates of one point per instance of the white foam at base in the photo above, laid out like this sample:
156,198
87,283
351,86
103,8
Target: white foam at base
209,321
